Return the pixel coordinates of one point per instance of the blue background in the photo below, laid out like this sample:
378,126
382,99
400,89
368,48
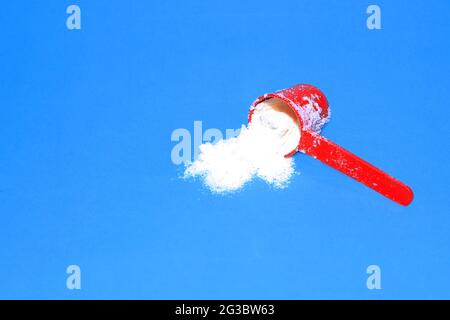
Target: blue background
86,176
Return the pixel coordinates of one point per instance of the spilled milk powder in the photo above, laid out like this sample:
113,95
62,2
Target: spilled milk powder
258,151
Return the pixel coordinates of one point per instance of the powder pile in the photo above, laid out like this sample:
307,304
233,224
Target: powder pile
258,151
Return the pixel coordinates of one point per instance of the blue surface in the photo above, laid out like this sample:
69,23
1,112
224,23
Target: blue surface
86,176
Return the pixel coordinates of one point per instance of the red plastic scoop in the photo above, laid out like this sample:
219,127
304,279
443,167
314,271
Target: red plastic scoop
311,108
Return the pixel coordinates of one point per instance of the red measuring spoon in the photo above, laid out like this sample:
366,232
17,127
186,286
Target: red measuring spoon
311,109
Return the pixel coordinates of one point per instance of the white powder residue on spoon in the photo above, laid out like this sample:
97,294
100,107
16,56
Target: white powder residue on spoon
258,151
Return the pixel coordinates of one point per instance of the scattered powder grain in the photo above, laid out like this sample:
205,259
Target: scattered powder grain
258,151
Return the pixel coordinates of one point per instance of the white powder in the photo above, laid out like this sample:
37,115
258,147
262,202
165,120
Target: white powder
259,150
